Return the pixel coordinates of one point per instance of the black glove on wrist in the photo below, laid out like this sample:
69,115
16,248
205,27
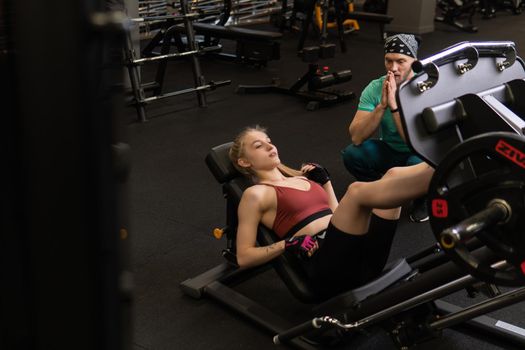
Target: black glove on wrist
318,174
300,245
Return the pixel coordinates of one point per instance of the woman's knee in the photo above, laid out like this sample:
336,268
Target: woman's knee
353,190
393,172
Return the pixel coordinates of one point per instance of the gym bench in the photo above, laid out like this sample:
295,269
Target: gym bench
252,46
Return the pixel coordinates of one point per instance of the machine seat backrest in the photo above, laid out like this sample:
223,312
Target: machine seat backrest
218,161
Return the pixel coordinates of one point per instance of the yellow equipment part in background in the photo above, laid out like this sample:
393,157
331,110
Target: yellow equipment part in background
347,23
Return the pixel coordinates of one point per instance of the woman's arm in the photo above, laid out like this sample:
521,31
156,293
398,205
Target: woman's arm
319,174
250,212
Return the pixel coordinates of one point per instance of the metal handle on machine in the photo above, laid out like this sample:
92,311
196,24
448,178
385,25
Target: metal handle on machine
472,56
463,50
471,51
497,211
510,57
433,76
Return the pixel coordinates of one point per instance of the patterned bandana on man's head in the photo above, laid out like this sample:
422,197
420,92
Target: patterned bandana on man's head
402,43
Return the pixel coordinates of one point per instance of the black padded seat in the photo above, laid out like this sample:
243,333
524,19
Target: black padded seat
286,266
218,161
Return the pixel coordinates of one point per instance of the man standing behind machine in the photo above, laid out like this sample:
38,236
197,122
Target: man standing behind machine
369,158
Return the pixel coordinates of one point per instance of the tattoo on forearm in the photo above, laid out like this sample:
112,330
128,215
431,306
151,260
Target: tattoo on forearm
271,247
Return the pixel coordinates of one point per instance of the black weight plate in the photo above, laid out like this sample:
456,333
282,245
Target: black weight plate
473,173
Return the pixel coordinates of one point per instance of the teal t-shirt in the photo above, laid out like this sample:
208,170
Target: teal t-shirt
370,98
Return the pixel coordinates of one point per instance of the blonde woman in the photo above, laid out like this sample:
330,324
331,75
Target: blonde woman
341,244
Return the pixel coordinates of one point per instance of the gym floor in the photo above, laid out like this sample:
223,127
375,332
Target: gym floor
175,202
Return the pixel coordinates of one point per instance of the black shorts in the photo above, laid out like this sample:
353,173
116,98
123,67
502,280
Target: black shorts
345,261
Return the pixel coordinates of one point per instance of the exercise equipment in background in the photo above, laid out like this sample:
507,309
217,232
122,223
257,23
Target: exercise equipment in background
232,12
489,8
317,80
323,15
452,12
211,27
139,89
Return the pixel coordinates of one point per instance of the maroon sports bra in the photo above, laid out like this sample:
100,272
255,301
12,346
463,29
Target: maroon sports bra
294,206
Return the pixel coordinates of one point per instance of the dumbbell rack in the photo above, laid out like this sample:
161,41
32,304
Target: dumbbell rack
132,62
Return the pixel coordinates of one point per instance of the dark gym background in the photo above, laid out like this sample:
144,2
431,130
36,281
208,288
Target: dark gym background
53,290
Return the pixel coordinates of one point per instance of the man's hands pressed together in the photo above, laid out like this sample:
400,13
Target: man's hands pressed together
388,97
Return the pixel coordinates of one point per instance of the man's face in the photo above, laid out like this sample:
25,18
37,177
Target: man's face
400,65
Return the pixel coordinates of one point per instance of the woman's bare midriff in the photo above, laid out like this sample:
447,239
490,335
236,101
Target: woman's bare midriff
315,226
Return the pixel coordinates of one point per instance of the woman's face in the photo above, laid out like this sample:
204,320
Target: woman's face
259,152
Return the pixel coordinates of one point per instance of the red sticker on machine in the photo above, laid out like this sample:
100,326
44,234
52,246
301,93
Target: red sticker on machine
523,267
512,153
439,208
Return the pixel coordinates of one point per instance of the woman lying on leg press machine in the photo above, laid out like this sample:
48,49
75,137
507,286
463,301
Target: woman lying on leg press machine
342,245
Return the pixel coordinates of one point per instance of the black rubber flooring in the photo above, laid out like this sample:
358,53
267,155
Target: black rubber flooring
175,202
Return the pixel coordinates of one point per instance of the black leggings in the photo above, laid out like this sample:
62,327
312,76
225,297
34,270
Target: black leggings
345,261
